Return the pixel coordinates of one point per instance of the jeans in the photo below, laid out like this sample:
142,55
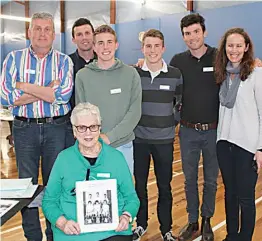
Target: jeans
240,180
127,150
192,143
70,140
163,164
34,142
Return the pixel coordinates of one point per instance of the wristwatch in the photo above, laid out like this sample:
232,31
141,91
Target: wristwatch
127,214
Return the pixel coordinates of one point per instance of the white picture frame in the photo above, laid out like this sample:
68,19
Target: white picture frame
97,205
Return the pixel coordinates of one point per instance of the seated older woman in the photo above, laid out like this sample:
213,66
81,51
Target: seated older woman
89,152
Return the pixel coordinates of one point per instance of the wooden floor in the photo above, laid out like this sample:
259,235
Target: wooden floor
12,230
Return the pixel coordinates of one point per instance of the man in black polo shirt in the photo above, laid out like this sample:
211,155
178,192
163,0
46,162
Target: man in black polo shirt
199,117
82,36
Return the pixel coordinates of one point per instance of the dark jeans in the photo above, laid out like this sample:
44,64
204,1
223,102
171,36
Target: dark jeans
70,140
119,238
10,126
32,143
163,159
192,143
239,179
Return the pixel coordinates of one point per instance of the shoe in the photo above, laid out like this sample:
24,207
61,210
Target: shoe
206,230
169,237
10,140
138,233
188,231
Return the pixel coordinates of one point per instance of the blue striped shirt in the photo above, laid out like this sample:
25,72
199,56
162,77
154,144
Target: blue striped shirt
24,66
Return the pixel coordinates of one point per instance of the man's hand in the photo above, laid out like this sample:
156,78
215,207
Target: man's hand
123,223
105,138
258,159
140,63
54,83
258,63
19,85
23,86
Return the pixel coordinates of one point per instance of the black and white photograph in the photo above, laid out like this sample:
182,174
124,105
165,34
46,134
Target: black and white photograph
97,206
97,209
6,205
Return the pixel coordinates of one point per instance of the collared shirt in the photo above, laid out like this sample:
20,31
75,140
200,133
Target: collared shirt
79,63
156,73
200,101
24,66
160,91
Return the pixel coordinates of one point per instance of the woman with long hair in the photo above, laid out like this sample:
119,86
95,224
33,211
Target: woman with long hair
239,137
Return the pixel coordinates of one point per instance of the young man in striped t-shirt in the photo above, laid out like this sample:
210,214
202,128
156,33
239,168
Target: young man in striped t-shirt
155,132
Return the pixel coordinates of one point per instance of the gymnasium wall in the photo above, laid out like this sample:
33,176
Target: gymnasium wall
134,16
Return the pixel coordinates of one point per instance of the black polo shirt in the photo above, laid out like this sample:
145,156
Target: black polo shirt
200,100
79,63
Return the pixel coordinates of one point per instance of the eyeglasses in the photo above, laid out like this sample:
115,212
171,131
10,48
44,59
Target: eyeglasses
82,128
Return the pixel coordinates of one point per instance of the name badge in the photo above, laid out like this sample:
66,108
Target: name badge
106,175
30,71
164,87
208,69
115,91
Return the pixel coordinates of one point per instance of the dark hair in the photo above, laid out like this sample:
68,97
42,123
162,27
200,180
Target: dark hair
153,33
190,19
221,60
80,22
105,29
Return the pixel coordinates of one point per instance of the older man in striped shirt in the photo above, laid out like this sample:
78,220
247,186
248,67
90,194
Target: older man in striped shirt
37,85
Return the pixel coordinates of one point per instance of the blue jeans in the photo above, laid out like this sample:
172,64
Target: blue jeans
70,140
192,143
34,142
127,150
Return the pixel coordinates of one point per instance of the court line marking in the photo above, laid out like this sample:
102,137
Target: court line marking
174,175
218,226
152,168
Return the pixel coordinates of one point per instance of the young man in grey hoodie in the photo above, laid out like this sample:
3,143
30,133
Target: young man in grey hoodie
116,89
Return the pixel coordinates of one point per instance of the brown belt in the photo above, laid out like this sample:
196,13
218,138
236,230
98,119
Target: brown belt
199,126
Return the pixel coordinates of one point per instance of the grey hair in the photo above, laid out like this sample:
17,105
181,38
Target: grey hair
42,15
85,109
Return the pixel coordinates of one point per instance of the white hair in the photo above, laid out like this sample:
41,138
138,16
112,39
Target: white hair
85,109
42,15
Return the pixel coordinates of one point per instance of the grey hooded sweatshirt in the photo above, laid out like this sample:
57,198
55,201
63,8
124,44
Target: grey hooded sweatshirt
118,94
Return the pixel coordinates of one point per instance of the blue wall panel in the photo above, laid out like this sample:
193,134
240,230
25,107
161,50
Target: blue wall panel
218,20
129,45
247,16
170,27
